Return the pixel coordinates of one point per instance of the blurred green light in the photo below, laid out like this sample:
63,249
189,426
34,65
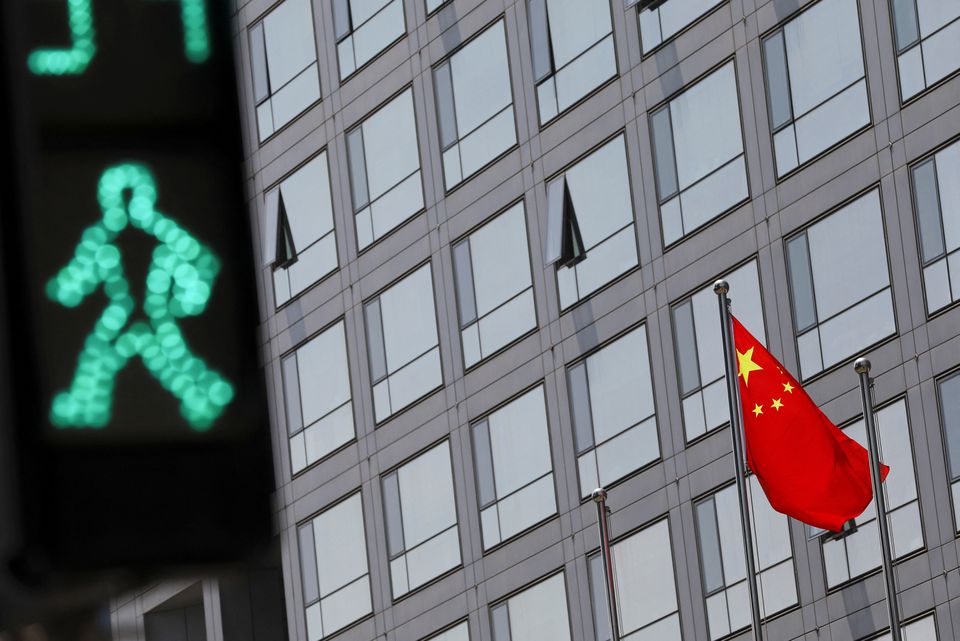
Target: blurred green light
179,282
72,61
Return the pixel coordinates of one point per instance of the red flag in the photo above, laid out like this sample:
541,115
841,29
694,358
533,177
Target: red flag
808,468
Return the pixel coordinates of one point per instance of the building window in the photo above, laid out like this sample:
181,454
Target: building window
316,386
611,401
595,195
698,150
836,318
699,349
928,42
816,88
364,28
385,169
402,343
936,198
949,389
433,5
460,632
670,18
336,585
511,450
923,629
723,567
645,587
494,289
299,242
858,553
423,539
475,105
283,58
572,46
539,613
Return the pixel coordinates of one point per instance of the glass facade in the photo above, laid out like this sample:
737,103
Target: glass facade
492,186
283,62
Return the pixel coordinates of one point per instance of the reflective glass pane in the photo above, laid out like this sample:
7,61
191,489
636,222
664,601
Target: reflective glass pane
864,271
519,442
288,32
258,64
934,14
481,79
409,318
340,528
598,596
322,366
445,109
484,462
621,393
539,613
801,282
731,536
463,271
308,563
928,209
539,39
778,85
426,494
663,153
501,264
823,52
390,144
600,190
291,388
706,125
391,508
709,546
686,348
950,402
905,23
378,359
574,26
948,164
358,169
307,202
500,623
643,568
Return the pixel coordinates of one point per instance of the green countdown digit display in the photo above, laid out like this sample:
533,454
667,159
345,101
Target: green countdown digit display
132,399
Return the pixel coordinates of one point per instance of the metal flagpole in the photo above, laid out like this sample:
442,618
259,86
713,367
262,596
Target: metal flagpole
720,288
599,497
862,367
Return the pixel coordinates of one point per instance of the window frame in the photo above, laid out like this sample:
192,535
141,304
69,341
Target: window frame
476,468
275,185
633,215
762,38
504,600
911,166
445,60
283,385
394,469
353,212
358,491
343,79
595,90
827,535
802,230
592,553
456,288
704,594
259,21
938,379
581,360
897,53
688,298
665,104
366,342
634,6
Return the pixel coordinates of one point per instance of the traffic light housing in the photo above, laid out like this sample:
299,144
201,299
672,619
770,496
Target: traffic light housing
134,430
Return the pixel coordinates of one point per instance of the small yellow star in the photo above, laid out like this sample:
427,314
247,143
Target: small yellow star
777,404
787,387
746,365
758,410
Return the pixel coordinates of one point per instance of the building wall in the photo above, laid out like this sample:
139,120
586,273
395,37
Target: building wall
907,364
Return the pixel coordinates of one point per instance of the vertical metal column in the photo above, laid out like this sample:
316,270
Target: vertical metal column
862,367
720,288
599,497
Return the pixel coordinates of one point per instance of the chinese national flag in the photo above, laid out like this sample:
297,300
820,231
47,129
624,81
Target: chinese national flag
808,468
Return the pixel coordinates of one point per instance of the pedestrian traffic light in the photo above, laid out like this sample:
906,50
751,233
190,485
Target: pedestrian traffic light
133,430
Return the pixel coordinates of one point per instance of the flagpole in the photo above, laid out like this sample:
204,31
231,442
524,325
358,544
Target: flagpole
599,496
720,288
862,367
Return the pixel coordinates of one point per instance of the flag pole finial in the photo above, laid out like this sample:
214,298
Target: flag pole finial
599,495
721,287
862,365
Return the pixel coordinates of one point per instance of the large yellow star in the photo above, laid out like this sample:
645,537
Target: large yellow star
757,410
787,387
746,365
777,404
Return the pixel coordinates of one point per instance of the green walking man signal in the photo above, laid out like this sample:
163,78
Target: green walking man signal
179,283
